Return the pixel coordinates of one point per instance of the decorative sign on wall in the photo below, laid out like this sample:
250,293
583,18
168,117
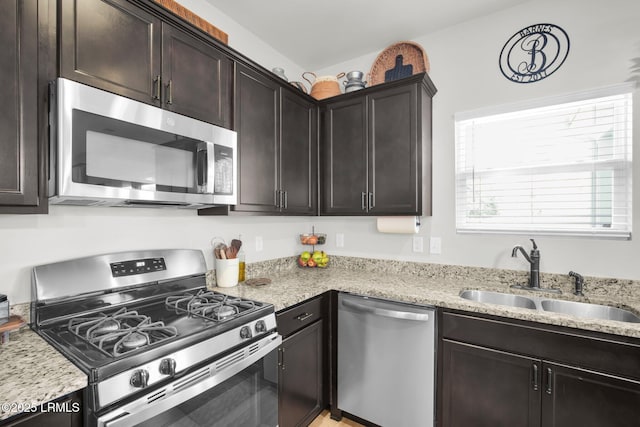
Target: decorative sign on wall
534,53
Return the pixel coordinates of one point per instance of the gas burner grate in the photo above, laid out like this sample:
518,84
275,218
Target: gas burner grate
210,305
120,332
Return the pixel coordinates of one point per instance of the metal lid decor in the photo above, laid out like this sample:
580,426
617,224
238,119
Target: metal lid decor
324,86
397,61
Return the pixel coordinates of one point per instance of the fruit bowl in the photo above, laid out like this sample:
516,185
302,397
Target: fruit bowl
313,239
315,259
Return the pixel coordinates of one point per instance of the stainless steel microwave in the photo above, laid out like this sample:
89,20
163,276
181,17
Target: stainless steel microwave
108,150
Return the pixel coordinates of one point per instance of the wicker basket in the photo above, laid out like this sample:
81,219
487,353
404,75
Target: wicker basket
412,54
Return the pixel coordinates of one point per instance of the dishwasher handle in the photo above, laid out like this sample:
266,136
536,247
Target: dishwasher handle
396,314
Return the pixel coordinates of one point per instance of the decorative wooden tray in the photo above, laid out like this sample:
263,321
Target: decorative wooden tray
14,322
398,61
194,19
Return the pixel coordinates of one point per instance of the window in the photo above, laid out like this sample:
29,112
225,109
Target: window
559,166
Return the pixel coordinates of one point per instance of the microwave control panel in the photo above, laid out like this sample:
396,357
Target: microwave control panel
137,266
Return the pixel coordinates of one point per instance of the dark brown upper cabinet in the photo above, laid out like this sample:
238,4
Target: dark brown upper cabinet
277,146
196,78
376,150
116,46
298,154
25,41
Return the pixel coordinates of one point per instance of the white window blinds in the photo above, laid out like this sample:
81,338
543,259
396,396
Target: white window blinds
562,166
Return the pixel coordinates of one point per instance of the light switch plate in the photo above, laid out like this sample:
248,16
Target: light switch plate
339,240
435,245
418,244
259,244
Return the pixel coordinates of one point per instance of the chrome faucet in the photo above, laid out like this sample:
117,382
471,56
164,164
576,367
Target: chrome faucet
534,259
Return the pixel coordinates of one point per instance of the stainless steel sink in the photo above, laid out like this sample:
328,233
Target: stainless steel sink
499,298
572,308
589,311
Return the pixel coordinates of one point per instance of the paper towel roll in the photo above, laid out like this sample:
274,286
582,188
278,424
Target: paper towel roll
398,224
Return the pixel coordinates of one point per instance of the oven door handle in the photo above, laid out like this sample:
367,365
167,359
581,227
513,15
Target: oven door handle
189,386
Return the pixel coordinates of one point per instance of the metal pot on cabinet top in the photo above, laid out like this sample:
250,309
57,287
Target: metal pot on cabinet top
354,81
324,86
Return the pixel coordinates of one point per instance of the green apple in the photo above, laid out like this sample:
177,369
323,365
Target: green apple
317,256
305,256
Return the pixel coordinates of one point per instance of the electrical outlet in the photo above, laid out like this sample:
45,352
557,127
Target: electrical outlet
435,245
339,240
418,244
258,243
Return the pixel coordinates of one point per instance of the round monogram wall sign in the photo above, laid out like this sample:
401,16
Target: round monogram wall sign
534,53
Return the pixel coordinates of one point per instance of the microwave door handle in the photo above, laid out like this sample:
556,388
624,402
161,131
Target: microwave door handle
211,167
204,167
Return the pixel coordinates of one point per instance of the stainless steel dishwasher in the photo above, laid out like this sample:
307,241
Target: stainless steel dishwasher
386,361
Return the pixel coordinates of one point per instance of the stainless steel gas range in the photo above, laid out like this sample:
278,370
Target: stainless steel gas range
158,348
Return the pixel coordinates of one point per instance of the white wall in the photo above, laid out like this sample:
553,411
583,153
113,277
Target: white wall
605,39
605,50
243,40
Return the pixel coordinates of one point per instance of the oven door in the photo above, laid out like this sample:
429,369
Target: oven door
240,389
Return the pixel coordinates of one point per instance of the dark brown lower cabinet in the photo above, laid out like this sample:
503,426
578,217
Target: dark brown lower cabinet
488,388
577,397
302,362
301,380
509,374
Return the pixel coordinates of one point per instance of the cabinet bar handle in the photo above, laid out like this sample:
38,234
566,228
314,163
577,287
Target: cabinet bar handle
281,358
534,373
170,95
156,87
286,200
549,386
278,198
304,316
372,201
363,203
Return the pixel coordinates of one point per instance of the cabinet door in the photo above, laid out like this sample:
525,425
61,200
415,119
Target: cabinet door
394,153
256,120
301,380
196,78
21,168
489,388
298,154
576,397
112,45
344,159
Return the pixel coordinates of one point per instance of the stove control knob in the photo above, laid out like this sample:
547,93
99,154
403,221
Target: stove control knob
261,326
245,332
140,378
168,366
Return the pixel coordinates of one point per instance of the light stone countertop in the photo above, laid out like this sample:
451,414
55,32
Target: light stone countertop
439,285
34,372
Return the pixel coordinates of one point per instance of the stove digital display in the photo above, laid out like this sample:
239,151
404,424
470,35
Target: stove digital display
137,266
